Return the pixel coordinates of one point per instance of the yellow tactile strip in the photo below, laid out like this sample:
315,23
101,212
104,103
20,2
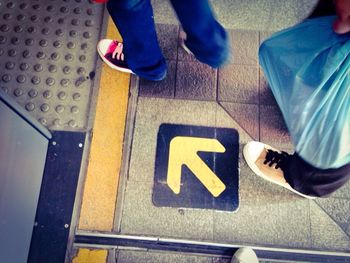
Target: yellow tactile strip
101,185
90,256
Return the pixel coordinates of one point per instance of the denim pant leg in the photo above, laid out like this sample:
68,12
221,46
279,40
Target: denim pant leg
134,20
206,38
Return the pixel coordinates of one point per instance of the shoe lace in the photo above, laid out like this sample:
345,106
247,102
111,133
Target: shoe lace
278,158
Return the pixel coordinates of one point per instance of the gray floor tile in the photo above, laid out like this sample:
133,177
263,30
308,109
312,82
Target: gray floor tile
265,94
338,210
161,89
343,192
246,115
134,256
195,81
326,234
273,130
264,35
168,40
244,46
238,83
141,217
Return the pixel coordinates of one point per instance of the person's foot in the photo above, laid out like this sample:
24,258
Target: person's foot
182,39
111,52
245,255
269,163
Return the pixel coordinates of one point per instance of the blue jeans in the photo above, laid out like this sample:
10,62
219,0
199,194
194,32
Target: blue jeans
206,38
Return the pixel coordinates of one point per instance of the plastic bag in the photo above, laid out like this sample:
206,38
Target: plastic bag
308,69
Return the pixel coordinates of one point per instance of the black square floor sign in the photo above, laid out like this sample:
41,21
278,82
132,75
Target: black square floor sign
196,167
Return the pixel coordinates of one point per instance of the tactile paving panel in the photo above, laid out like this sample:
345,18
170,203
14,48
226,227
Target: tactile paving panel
48,57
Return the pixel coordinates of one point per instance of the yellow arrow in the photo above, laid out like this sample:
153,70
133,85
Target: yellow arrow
183,151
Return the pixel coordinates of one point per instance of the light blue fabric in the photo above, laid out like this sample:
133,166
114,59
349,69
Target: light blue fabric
308,69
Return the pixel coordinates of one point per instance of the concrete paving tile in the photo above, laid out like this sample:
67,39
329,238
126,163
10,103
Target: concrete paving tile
141,217
246,115
265,94
273,129
128,256
168,40
326,234
338,210
195,81
151,113
281,224
245,46
238,83
163,12
343,192
164,88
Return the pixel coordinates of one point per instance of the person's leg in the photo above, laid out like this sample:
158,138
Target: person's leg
134,20
206,38
312,181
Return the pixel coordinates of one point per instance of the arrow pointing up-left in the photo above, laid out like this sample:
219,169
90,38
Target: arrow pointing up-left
183,151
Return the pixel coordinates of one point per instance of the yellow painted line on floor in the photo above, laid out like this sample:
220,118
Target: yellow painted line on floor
100,190
90,256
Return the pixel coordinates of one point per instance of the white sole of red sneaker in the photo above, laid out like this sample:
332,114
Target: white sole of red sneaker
101,51
256,170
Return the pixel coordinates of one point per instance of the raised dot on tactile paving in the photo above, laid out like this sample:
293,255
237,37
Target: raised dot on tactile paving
45,31
73,33
29,42
36,80
30,106
50,8
43,121
75,22
21,79
80,81
31,29
84,46
18,29
55,56
77,10
81,71
59,108
71,45
47,19
72,123
21,17
47,94
12,53
43,43
38,67
45,107
76,96
18,92
34,18
82,58
74,110
2,39
23,6
52,68
23,66
66,70
6,78
62,95
15,40
57,44
50,81
7,16
9,65
64,82
10,5
33,93
87,35
69,57
4,28
89,23
40,55
1,52
64,9
90,12
36,7
26,54
5,89
56,122
59,32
